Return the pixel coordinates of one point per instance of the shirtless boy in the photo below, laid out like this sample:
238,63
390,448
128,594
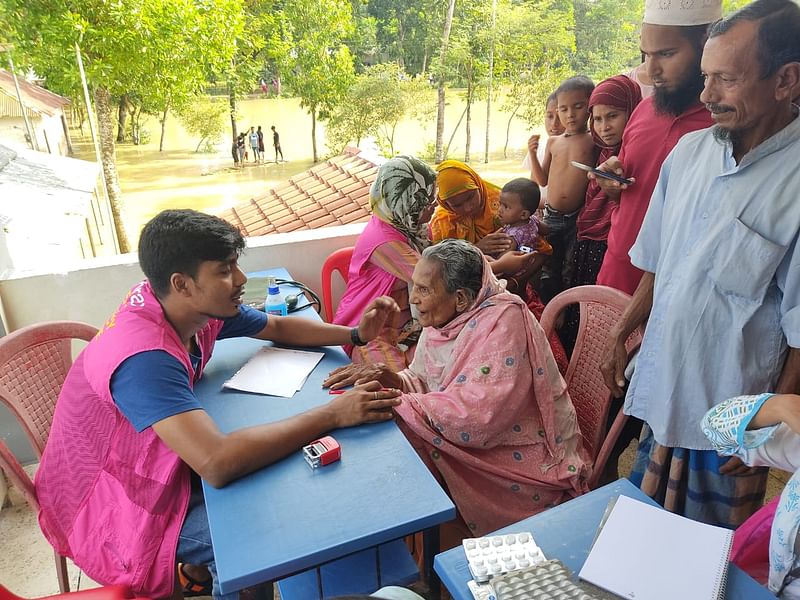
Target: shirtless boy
566,184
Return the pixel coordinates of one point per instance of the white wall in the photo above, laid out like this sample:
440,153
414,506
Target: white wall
94,289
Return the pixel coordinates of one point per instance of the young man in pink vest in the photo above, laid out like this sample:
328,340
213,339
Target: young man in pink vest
119,482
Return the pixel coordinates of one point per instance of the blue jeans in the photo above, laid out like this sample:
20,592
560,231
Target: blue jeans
194,542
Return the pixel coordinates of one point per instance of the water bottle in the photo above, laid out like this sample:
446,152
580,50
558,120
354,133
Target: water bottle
275,303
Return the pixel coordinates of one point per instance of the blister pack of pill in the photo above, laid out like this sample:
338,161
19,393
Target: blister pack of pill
497,554
549,580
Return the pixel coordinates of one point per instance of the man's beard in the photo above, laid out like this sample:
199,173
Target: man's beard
675,102
724,136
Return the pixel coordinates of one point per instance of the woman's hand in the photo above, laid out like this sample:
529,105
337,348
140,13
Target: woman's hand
612,188
375,317
362,373
367,403
513,262
496,243
780,408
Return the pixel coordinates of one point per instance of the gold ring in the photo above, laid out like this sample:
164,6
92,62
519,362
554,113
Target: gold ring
376,395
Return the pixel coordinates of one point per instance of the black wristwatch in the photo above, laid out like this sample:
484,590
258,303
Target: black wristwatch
355,338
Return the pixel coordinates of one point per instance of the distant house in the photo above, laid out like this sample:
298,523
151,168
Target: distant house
54,211
45,111
335,192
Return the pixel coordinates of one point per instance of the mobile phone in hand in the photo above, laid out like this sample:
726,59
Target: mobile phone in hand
603,174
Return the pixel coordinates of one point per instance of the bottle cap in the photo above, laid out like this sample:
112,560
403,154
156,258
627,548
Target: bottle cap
272,287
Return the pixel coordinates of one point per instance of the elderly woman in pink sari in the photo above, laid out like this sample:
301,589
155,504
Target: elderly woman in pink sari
402,200
484,404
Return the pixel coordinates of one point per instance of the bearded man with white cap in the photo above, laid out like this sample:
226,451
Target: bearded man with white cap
721,287
672,38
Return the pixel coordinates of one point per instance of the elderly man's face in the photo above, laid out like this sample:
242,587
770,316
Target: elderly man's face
436,306
735,93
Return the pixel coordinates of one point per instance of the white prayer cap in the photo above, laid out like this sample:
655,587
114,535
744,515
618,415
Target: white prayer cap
682,13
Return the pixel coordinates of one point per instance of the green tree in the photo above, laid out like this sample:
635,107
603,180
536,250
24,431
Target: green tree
468,56
606,37
440,73
321,64
121,42
178,58
204,118
375,104
534,56
408,32
261,44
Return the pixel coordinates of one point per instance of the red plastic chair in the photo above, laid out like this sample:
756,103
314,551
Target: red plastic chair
34,362
337,261
109,592
600,309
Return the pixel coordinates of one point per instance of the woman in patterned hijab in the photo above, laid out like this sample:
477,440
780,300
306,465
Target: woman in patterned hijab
402,199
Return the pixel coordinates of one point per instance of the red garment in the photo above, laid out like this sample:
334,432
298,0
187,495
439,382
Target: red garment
536,306
594,221
649,137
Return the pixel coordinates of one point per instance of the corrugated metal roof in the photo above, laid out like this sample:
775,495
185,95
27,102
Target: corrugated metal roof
35,97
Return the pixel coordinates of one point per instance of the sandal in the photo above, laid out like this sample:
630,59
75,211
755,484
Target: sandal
191,586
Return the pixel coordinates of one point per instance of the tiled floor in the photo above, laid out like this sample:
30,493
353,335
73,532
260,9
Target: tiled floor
26,560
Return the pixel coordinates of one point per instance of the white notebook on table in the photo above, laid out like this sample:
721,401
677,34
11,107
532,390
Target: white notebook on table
646,553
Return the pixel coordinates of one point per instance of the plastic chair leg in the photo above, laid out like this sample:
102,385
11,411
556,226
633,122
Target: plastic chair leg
61,571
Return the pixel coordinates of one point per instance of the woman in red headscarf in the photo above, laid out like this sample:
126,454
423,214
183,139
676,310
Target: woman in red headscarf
610,106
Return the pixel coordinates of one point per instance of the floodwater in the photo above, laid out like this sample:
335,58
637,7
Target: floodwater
178,177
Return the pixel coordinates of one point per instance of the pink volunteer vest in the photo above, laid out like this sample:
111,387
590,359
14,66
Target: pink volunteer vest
112,499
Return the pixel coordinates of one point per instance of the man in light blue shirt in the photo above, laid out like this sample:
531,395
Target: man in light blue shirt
721,291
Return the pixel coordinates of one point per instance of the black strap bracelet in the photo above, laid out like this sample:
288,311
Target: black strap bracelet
355,338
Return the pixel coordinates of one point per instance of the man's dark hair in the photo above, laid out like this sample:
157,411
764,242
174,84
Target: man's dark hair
778,32
527,191
579,83
551,98
177,241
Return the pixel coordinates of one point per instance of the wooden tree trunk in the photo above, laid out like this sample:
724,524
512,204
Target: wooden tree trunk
508,129
455,130
232,102
121,118
105,125
491,81
442,59
470,88
314,132
163,128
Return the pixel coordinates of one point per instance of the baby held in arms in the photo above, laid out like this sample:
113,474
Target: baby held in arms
519,200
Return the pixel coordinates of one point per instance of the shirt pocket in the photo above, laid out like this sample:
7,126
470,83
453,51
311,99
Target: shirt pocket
745,262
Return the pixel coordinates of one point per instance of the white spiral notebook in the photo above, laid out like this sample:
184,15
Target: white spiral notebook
646,553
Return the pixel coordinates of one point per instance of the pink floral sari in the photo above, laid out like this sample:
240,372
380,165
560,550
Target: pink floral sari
488,411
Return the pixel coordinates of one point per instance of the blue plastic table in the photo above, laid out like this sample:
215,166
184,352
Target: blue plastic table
287,517
566,532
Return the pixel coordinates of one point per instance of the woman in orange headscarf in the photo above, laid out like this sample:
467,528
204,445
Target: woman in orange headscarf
467,209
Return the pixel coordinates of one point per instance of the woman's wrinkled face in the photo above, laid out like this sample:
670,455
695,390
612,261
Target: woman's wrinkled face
466,204
436,306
